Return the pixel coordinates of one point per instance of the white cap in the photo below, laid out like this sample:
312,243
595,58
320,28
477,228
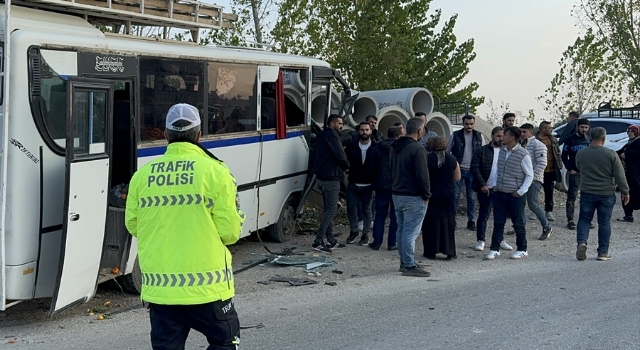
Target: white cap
182,111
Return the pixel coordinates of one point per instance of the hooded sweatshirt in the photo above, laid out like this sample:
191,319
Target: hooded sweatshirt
409,169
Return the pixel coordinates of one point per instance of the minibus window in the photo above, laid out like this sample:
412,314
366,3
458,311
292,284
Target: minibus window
232,100
165,83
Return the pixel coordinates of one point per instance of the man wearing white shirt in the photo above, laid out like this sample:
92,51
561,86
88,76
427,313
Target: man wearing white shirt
515,175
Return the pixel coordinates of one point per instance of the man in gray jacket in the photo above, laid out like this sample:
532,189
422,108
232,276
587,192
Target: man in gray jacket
538,152
515,174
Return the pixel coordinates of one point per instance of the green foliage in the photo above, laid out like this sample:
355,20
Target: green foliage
616,23
380,44
589,74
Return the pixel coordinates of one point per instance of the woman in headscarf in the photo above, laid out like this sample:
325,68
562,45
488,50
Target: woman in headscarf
439,224
630,155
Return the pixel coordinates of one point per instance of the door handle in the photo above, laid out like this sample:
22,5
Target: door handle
74,217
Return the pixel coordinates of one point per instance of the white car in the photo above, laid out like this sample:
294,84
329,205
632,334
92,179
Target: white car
616,138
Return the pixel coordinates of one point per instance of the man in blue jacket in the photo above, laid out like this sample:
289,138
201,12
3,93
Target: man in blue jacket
329,167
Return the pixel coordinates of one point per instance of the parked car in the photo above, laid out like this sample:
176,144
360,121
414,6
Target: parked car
616,137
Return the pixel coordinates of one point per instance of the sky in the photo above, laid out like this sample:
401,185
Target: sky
518,45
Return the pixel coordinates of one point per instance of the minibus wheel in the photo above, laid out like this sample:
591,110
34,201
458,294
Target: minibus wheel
285,227
132,283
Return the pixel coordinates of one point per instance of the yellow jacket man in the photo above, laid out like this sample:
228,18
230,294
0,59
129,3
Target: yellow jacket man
183,209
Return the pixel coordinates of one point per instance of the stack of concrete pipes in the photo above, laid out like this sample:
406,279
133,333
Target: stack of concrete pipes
390,106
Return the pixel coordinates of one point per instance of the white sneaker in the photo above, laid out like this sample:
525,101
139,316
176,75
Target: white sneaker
520,255
493,254
550,216
479,246
360,225
505,246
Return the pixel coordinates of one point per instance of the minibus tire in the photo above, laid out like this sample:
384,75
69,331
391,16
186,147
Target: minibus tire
285,227
132,283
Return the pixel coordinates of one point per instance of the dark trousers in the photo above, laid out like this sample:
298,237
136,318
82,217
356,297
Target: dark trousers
330,191
506,205
548,186
384,206
218,321
373,208
572,194
364,195
483,214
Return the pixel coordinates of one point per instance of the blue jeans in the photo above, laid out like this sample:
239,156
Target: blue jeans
384,205
532,202
483,214
589,204
410,212
330,191
467,178
506,205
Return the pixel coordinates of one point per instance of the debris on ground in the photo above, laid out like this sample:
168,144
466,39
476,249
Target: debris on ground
294,281
331,283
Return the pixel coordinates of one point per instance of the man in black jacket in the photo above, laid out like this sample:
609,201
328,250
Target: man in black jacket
462,145
382,185
411,192
572,145
329,167
484,168
361,159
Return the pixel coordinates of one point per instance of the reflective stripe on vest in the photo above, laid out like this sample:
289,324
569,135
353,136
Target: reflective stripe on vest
186,279
170,200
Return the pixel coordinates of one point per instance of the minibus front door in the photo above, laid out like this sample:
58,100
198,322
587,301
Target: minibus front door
87,179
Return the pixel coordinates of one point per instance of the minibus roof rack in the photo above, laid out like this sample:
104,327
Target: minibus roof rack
183,14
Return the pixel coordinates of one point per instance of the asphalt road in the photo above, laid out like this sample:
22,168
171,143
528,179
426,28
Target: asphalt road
556,303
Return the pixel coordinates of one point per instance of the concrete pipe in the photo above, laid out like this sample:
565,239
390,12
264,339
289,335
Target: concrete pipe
319,104
389,116
293,78
364,106
440,124
411,100
295,95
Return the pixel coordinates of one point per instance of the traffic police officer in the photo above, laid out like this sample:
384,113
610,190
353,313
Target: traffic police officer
183,208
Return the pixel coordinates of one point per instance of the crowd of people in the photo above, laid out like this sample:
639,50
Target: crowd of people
415,177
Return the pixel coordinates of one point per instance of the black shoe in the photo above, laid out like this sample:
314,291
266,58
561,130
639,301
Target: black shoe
452,257
592,225
374,246
352,237
430,257
546,233
394,247
364,240
414,271
402,268
335,245
571,225
471,225
321,247
626,219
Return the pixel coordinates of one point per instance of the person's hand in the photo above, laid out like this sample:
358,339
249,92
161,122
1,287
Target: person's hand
572,172
515,194
625,199
622,156
484,189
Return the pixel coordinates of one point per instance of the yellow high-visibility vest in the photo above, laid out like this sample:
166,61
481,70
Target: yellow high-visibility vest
183,207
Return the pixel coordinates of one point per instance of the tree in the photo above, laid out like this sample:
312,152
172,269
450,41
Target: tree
617,24
380,44
252,28
589,74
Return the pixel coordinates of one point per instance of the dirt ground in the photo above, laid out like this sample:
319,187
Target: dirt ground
351,262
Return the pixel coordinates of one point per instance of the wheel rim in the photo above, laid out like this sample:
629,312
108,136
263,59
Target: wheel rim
288,220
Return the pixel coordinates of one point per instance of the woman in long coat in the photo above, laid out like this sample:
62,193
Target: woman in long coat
439,225
630,155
